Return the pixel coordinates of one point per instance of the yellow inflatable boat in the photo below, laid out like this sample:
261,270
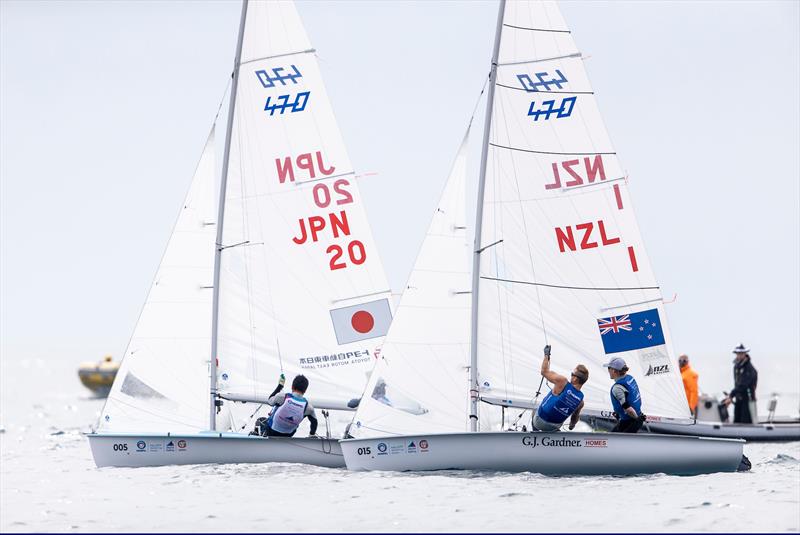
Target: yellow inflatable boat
98,376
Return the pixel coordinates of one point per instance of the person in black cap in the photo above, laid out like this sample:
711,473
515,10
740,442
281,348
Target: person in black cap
743,395
625,398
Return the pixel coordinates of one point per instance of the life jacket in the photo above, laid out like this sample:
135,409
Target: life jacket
557,408
288,416
634,398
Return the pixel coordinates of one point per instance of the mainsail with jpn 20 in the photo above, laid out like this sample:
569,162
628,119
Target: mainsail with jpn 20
288,280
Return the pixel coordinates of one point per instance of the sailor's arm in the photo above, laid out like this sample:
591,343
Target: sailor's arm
575,416
558,380
621,393
272,399
311,414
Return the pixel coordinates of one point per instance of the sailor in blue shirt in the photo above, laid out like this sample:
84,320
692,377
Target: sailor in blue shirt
565,400
625,398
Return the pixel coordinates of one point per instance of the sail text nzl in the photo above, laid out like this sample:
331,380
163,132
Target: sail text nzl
593,168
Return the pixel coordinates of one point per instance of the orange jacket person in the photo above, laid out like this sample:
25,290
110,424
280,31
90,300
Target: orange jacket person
689,377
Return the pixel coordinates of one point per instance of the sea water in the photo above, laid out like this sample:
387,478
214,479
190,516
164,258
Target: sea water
48,482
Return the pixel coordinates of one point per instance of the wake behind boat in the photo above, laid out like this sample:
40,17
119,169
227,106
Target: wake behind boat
287,276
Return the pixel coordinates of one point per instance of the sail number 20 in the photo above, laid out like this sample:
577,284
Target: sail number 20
355,250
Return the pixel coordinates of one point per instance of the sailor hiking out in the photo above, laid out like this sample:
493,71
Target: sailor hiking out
288,411
625,398
564,401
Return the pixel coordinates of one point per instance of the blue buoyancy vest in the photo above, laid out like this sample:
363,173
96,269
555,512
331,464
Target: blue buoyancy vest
557,408
288,416
634,398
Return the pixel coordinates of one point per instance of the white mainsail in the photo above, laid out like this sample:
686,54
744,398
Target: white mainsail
162,383
301,289
569,261
420,382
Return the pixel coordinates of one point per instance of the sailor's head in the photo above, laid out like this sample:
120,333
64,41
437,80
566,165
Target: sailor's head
616,368
683,361
741,352
579,376
300,384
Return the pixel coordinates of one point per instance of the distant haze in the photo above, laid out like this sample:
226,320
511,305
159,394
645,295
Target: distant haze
105,107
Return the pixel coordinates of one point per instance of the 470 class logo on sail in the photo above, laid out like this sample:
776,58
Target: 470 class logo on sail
292,103
547,108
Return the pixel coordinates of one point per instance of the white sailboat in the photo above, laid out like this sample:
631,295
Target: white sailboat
558,259
287,281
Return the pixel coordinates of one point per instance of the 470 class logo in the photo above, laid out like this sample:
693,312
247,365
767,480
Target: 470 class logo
293,103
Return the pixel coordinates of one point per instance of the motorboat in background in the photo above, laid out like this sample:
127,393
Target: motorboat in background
98,376
713,420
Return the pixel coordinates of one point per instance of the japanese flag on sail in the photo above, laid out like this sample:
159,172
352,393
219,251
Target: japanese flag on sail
361,322
637,330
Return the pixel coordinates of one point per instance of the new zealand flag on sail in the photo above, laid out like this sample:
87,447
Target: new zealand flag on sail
631,331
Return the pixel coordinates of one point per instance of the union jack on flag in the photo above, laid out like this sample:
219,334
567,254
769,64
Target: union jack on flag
616,324
636,330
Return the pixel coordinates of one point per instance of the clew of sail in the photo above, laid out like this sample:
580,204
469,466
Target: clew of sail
569,268
420,383
162,383
302,289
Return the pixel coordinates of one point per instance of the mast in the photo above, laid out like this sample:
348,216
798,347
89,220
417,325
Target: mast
212,415
476,259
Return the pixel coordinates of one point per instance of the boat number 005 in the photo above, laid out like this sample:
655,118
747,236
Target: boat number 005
355,250
364,451
120,447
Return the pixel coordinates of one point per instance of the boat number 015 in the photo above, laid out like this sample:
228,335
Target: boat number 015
120,447
364,451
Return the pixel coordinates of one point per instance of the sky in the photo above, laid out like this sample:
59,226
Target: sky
105,107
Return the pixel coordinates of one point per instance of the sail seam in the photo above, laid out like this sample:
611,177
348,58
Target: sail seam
599,288
309,51
536,29
523,62
547,92
552,152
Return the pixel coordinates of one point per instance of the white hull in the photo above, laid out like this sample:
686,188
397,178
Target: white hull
546,453
762,432
222,448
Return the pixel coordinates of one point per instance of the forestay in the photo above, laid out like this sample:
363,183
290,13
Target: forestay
569,267
162,383
302,289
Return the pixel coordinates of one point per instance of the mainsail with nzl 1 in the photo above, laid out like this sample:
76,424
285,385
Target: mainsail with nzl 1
287,281
558,259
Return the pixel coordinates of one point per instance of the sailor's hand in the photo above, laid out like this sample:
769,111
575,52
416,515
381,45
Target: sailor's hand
282,380
726,401
571,426
547,351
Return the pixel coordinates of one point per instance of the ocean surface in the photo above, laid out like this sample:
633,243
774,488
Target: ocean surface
48,482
